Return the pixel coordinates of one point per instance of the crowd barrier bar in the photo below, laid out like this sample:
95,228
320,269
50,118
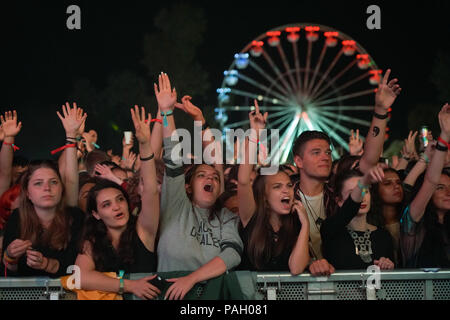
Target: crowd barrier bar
342,285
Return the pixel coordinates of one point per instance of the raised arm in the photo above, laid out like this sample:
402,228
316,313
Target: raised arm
299,258
10,130
355,144
418,205
148,220
71,119
386,94
166,98
197,115
247,205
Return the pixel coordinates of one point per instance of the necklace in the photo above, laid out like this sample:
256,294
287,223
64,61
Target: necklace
316,217
363,245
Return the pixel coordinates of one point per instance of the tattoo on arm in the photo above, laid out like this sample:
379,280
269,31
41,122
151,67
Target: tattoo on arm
376,131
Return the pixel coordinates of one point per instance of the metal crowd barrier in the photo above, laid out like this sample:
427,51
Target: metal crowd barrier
343,285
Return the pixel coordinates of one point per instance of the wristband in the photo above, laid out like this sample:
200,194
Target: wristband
9,260
441,148
443,142
15,148
154,120
205,126
424,157
147,159
121,282
165,115
380,116
63,147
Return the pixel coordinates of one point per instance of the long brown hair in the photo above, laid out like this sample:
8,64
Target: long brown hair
260,249
57,236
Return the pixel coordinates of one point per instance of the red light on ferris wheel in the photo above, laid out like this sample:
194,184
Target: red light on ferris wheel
376,77
274,39
293,35
256,49
349,47
331,38
363,61
311,33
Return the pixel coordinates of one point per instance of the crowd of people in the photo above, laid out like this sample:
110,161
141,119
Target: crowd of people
148,212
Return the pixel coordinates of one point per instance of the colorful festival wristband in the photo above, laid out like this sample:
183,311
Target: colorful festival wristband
15,148
73,145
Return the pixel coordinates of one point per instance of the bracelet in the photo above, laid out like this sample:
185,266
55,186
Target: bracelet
15,148
425,158
8,259
73,145
380,116
364,189
441,148
154,120
445,143
165,115
205,126
121,282
147,159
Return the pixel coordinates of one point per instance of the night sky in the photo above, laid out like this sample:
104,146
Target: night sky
41,58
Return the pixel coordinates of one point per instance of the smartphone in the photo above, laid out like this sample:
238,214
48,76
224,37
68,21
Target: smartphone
424,135
160,283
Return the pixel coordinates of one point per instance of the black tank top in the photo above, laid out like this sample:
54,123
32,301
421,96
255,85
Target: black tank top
144,261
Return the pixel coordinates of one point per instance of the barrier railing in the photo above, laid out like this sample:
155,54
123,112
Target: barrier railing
343,285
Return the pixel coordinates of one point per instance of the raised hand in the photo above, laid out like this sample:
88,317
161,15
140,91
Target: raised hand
386,94
141,126
355,144
257,120
165,96
129,161
409,149
444,122
190,109
72,119
128,146
104,172
2,133
9,124
374,175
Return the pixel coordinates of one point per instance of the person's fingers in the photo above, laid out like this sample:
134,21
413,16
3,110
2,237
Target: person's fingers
256,106
168,84
386,77
57,112
161,82
392,83
357,134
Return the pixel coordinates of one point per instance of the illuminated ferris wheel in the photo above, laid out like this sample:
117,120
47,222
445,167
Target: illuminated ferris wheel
308,77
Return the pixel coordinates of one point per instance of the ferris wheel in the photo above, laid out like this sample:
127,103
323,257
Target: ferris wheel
307,77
